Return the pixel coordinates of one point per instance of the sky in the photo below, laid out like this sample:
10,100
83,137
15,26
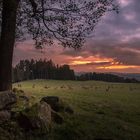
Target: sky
115,46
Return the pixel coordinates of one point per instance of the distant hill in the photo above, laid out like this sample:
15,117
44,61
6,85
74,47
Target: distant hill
108,77
128,75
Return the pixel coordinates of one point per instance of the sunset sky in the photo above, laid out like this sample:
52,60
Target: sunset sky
115,46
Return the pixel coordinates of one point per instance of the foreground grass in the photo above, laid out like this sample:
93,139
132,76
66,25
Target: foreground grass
102,110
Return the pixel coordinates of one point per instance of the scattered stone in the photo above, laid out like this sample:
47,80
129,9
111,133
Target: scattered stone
70,88
84,87
46,87
33,86
7,98
15,90
62,86
19,85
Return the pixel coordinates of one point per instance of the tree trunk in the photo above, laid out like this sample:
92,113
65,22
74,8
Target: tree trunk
7,40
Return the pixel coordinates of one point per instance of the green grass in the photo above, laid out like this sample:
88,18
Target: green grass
99,114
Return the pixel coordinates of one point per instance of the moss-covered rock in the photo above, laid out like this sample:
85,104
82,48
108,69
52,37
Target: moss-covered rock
38,117
7,98
57,104
28,119
4,116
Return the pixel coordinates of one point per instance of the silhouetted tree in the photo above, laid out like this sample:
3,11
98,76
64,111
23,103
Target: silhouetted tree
41,69
68,21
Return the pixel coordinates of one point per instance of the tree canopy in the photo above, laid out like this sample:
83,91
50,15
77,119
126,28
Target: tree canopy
67,21
41,69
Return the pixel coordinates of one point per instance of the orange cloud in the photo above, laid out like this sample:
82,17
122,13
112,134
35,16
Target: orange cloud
99,64
117,67
89,60
80,62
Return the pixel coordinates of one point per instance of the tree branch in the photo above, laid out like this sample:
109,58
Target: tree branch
34,6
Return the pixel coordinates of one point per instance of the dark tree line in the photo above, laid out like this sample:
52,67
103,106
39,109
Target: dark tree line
106,77
41,69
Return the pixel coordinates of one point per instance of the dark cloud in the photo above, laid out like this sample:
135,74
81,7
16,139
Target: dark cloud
127,53
117,26
117,36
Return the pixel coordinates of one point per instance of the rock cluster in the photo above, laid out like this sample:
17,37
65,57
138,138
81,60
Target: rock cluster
41,115
7,99
37,118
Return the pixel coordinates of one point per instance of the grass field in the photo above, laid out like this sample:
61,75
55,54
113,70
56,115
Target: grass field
102,111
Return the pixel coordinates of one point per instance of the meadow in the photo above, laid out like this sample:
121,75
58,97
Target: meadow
102,111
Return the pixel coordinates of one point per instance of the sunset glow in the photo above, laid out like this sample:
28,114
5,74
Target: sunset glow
114,48
80,62
117,67
90,60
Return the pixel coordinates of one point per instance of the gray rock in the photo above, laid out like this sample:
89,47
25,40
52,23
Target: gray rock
38,117
7,98
4,116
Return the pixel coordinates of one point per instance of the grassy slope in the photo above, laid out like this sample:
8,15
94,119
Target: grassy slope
113,114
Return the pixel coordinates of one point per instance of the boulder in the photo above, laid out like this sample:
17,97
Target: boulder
38,117
53,101
7,98
4,116
57,104
15,90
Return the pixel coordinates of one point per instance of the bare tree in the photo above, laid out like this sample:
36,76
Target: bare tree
67,21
